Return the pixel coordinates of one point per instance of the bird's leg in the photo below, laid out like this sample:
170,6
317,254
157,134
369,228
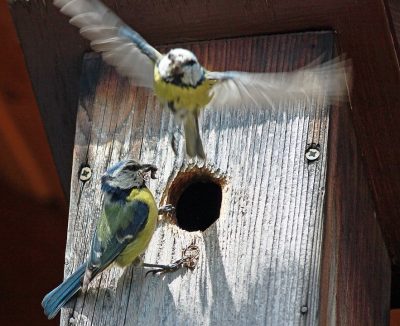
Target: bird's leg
177,133
174,145
190,257
161,269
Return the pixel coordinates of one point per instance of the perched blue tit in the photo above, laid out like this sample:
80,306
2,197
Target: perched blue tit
126,225
182,83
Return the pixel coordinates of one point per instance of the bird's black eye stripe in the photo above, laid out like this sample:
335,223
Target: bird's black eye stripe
190,63
132,167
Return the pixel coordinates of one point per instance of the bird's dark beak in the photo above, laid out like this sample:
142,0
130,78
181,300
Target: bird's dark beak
149,168
176,70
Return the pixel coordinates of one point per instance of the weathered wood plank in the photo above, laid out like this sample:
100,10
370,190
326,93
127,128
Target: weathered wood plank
260,260
356,266
53,51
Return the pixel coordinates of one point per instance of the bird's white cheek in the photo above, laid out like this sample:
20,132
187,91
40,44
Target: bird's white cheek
164,67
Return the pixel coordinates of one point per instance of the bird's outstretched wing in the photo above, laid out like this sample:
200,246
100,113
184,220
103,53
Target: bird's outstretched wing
118,226
120,45
235,88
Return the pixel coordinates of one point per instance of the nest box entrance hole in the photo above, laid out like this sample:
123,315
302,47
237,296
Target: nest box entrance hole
196,196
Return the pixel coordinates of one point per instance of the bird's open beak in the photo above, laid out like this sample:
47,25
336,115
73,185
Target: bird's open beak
149,168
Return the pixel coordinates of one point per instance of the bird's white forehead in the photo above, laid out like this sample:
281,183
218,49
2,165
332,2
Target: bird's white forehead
183,53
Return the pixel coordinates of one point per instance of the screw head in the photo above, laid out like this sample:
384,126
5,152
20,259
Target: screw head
313,152
304,309
85,174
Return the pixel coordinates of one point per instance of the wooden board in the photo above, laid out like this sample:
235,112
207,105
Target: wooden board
356,266
53,51
259,263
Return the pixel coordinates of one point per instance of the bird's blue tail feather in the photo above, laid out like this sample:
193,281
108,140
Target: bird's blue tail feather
57,298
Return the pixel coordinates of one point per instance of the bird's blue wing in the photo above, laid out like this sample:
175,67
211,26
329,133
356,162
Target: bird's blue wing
120,45
119,225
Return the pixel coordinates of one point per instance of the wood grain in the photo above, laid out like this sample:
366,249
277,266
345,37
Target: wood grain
53,51
260,261
356,266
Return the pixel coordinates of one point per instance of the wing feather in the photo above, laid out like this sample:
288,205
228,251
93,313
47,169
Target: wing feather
127,222
120,45
260,89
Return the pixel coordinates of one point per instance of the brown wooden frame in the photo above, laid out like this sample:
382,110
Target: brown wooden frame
53,52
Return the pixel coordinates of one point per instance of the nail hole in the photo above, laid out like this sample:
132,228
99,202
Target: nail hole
196,196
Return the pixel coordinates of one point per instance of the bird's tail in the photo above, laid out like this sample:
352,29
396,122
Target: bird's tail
194,146
56,299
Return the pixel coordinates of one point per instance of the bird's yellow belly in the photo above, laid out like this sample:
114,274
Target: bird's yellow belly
190,98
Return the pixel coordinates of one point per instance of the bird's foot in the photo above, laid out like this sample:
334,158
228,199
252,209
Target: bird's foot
166,210
190,257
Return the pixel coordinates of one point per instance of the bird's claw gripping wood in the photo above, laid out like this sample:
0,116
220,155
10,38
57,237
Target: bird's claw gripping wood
166,210
190,258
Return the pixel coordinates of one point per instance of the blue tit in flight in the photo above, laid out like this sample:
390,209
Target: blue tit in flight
182,83
124,229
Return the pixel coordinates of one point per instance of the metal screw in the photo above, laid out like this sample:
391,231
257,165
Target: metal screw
85,174
313,152
304,310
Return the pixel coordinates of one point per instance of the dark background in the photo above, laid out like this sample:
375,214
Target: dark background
33,210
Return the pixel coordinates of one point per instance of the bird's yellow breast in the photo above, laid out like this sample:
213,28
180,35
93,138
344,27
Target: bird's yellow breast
139,245
190,98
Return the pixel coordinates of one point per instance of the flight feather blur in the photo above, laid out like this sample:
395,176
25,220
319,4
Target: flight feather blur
186,87
121,46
